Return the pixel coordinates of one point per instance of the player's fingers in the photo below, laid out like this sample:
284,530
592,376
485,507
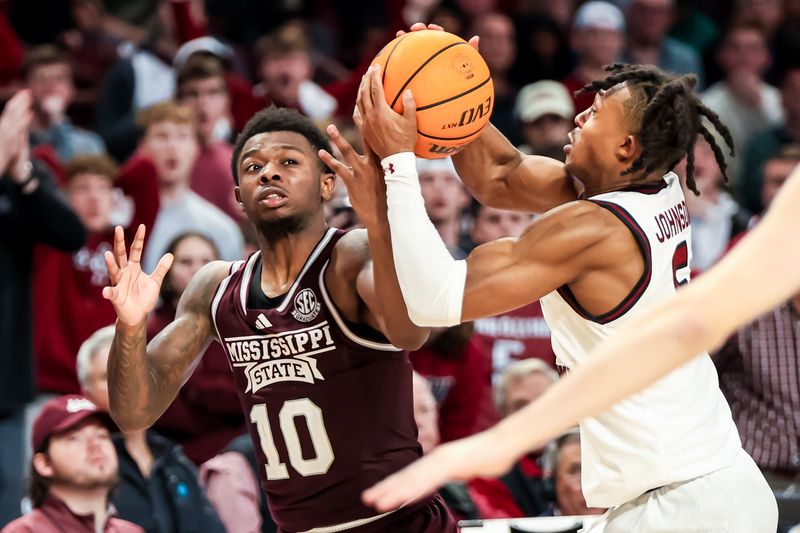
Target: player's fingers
111,265
162,268
474,42
119,247
376,88
340,169
348,152
110,293
409,105
399,33
357,119
138,245
364,96
435,27
417,26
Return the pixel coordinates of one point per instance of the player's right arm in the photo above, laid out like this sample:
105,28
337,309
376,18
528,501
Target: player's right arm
500,176
144,379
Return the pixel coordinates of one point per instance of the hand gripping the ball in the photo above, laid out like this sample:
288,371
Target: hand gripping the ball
132,292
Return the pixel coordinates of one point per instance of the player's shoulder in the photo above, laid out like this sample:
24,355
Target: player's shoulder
351,252
577,216
204,284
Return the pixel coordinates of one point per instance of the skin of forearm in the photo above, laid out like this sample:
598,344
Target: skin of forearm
483,164
129,377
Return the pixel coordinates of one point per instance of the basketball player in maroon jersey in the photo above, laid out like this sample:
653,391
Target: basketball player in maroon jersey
313,325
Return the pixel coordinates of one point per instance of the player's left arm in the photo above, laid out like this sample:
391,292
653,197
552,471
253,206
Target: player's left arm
363,258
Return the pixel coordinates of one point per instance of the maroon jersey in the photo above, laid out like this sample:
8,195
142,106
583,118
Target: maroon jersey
329,409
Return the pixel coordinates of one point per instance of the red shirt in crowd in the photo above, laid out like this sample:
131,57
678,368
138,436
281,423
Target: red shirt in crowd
206,415
212,178
461,383
68,301
55,517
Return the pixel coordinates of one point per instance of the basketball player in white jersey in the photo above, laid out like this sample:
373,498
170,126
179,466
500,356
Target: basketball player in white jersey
758,275
668,458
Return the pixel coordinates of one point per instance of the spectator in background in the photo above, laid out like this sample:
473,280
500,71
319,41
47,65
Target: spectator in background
68,286
31,212
562,462
286,72
426,415
498,44
445,200
48,75
522,491
598,36
231,482
546,112
206,415
520,333
543,51
715,216
460,377
158,487
742,100
170,140
648,22
767,142
202,88
73,470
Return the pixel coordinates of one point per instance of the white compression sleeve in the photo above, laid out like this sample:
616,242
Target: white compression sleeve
432,282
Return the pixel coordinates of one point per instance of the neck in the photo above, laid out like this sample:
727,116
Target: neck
136,444
172,191
283,254
611,182
40,120
83,501
449,230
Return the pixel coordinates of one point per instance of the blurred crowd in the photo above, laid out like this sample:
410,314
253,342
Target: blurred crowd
123,112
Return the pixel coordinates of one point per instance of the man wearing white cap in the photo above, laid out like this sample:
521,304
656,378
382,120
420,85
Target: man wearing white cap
546,111
598,37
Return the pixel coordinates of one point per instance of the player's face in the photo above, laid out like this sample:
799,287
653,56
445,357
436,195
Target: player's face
280,178
492,224
96,387
599,145
83,457
92,198
191,254
173,148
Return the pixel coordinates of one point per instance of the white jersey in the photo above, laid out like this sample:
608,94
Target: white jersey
680,427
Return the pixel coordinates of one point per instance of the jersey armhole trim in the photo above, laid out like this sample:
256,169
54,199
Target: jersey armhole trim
638,289
341,323
223,286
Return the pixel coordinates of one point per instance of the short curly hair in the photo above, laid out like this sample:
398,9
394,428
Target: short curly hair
280,119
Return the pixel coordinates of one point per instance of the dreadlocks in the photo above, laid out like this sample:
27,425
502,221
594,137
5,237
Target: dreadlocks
666,115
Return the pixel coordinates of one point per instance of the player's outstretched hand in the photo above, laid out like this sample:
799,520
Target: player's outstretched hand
385,130
132,292
360,173
417,26
479,455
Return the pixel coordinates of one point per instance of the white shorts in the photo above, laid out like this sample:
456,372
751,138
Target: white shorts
735,499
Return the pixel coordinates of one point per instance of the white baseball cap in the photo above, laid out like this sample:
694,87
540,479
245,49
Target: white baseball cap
599,14
546,97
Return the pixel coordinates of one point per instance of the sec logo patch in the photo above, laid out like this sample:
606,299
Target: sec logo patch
306,306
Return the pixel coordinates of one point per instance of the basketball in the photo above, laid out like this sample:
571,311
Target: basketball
451,85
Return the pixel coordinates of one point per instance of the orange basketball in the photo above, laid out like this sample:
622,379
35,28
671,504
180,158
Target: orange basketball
451,85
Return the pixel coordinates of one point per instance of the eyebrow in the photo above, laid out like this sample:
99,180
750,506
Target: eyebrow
253,151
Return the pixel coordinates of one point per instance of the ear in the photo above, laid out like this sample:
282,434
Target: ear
238,195
42,465
628,150
327,182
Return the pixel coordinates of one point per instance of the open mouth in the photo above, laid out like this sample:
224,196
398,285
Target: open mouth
272,197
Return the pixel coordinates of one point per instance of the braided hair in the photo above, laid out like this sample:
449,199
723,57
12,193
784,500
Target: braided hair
666,115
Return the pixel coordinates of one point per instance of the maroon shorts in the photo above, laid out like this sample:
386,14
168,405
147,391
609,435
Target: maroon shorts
428,516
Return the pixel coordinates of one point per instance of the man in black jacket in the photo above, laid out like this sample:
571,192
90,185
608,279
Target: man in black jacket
31,212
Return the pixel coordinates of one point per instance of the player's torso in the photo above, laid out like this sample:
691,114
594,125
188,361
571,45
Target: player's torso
676,429
328,402
657,217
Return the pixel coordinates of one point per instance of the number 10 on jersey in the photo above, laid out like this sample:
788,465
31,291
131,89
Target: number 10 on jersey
291,409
